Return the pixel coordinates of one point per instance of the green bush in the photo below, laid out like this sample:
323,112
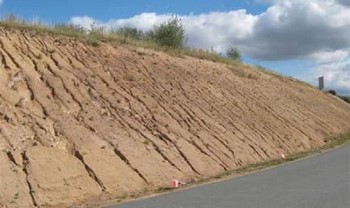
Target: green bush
169,34
130,32
234,54
333,92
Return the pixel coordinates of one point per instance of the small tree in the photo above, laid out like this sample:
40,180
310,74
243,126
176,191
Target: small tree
170,34
234,54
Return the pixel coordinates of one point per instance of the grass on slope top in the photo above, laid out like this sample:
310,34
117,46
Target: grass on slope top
96,36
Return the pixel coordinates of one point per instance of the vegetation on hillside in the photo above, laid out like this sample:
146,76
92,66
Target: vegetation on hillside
234,54
333,92
345,98
129,32
169,36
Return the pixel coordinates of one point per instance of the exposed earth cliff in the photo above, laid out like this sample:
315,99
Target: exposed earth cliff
80,124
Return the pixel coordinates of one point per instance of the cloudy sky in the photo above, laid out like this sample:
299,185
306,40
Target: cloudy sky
300,38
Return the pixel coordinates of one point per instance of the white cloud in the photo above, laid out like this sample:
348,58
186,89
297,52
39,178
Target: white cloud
296,28
316,30
329,57
84,21
144,21
336,74
289,29
219,30
215,29
334,66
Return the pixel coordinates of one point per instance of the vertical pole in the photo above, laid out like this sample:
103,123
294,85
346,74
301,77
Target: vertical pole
321,83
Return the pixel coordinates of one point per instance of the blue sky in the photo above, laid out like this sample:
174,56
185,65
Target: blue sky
299,38
63,10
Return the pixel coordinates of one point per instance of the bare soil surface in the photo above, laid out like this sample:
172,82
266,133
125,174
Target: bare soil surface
81,124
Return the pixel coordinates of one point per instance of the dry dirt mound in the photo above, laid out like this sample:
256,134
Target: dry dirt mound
81,123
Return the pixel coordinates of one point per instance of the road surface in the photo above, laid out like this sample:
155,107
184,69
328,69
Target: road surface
318,182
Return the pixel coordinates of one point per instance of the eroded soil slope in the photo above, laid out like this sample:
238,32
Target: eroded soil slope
81,123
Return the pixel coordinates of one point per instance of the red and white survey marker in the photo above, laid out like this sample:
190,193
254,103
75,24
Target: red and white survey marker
177,184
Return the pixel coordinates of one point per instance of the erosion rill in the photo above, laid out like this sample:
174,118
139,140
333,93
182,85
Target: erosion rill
81,124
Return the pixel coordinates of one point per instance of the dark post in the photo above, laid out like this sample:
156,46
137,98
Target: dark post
321,83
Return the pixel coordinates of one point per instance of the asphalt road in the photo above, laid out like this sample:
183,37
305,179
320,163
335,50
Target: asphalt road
318,182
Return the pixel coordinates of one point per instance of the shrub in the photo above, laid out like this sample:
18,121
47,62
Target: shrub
170,34
234,54
333,92
130,32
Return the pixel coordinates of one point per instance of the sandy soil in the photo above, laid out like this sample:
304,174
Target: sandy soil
81,124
